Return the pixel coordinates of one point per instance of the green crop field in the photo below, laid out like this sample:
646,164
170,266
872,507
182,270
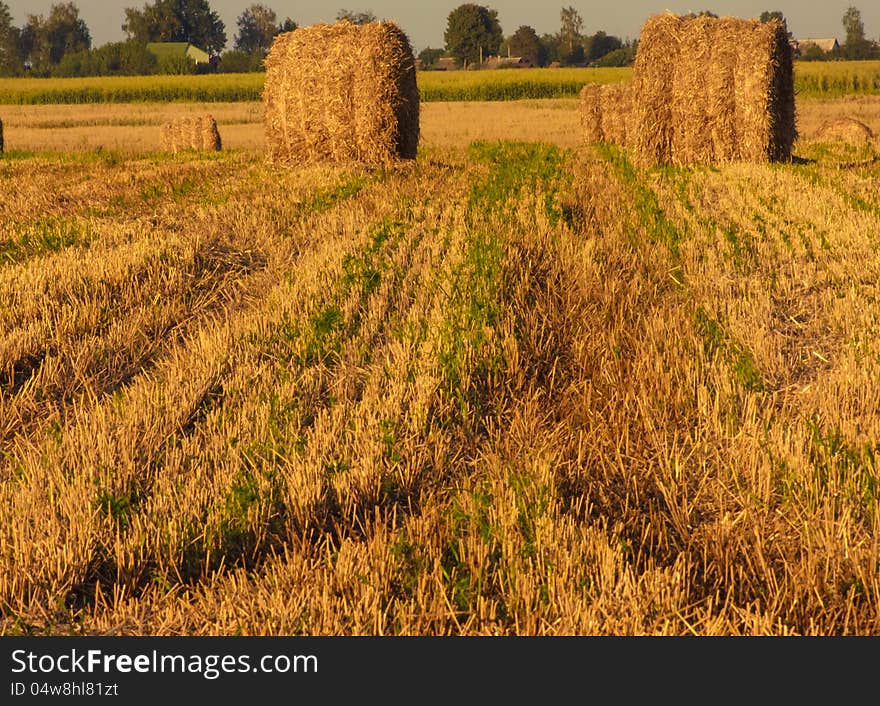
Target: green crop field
811,79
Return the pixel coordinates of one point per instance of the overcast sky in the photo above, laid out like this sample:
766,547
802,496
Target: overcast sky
425,20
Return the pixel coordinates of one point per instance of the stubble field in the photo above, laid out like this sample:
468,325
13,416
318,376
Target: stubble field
519,386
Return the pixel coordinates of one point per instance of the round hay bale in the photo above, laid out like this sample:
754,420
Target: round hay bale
341,93
847,130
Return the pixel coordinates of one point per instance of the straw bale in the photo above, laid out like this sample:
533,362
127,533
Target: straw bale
764,81
846,130
711,90
616,108
341,93
590,113
652,85
191,133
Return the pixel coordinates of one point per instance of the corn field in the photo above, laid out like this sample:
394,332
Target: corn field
813,79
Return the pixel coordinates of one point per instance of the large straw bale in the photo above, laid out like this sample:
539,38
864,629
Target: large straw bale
191,133
341,93
709,89
764,81
653,77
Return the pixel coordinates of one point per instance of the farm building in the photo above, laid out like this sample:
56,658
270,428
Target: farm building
508,62
801,46
163,50
446,63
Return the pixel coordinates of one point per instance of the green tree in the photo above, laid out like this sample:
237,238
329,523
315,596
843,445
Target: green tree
526,43
256,30
429,56
358,18
571,24
472,33
856,45
45,41
240,62
601,44
770,15
190,21
10,37
550,44
287,26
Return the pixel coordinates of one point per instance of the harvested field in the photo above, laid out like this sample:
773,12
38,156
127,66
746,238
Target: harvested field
509,387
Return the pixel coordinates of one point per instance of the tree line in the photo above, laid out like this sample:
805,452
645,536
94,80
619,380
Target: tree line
60,43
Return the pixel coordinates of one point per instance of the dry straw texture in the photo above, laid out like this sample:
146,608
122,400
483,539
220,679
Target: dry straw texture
847,130
341,93
1,136
707,90
191,133
591,113
616,106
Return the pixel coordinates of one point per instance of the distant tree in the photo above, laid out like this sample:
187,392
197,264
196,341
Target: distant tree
550,45
429,56
240,62
472,32
601,44
358,18
856,46
45,41
625,56
813,52
526,43
190,21
287,26
571,24
770,15
112,59
10,38
256,29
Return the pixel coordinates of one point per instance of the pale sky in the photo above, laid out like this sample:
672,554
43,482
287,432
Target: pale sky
424,21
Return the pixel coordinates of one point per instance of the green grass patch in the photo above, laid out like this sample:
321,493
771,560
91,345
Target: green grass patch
652,217
46,234
717,341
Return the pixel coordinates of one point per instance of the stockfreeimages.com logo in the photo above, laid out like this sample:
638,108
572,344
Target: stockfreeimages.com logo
112,663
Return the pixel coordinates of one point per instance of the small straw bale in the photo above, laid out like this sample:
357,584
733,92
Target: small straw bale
341,93
712,89
846,130
193,133
616,109
210,135
605,112
590,110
